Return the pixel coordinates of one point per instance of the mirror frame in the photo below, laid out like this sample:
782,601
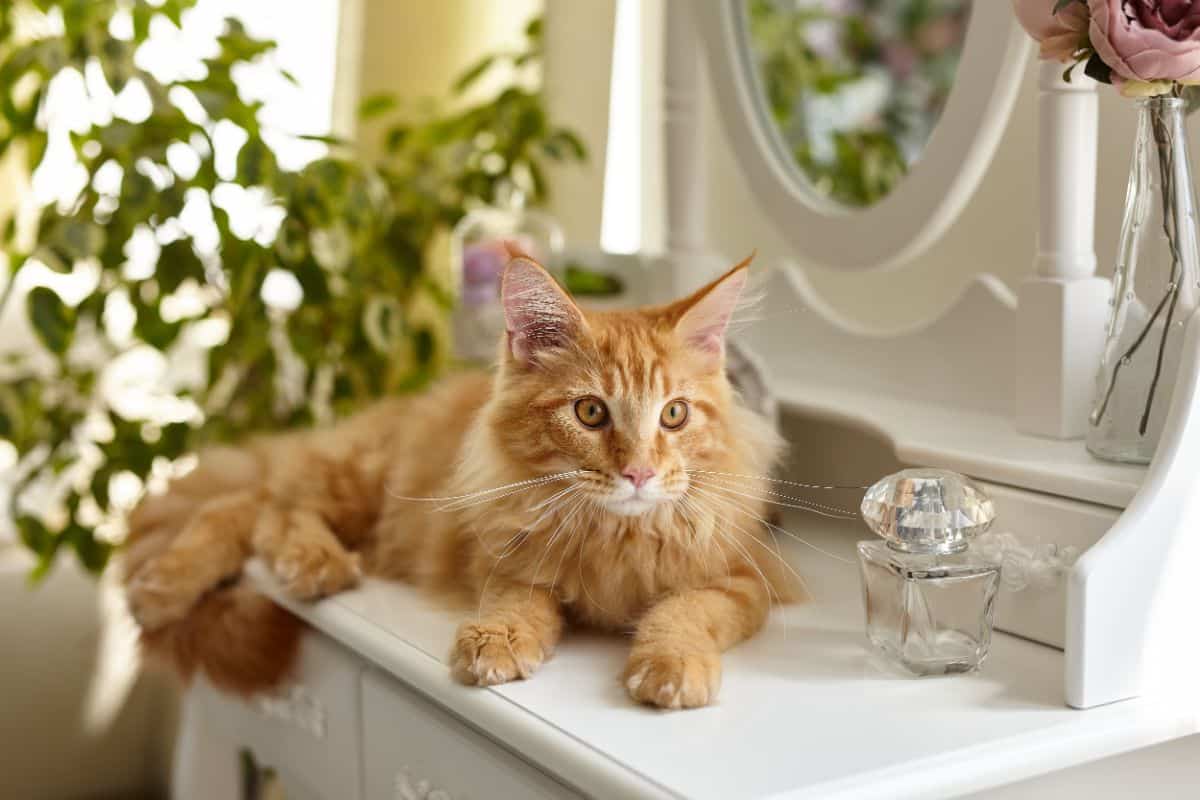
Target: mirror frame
915,213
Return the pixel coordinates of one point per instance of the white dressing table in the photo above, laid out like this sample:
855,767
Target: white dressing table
804,712
1097,664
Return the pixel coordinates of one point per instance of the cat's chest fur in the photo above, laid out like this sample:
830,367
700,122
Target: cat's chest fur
618,570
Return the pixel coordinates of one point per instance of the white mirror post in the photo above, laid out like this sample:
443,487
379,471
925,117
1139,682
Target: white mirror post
1063,306
688,260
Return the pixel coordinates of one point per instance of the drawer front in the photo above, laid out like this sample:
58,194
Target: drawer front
308,732
1039,610
414,750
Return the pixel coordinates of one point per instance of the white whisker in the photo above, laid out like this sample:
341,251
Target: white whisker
567,545
519,538
835,513
550,545
582,581
775,480
471,495
799,502
749,512
777,554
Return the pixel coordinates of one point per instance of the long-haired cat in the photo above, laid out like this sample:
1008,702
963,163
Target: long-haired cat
601,476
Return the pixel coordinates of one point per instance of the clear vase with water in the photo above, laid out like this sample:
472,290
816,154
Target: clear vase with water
1155,289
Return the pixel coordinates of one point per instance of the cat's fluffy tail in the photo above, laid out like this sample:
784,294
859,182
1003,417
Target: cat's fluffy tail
238,638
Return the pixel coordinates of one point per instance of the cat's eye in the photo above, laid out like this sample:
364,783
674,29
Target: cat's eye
591,411
674,414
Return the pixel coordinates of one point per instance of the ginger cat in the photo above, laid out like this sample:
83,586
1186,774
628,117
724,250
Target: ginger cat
602,476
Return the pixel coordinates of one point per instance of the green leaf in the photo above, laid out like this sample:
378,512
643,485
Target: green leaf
1061,4
33,533
473,73
74,239
176,263
37,149
92,553
377,104
53,321
1097,70
255,163
99,485
533,29
329,139
152,329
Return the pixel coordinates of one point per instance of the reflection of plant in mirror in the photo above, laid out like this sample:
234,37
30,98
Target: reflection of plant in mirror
856,86
190,288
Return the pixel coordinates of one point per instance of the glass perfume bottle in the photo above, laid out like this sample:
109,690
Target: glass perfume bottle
929,599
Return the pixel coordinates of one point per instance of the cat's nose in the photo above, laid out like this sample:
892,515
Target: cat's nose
638,476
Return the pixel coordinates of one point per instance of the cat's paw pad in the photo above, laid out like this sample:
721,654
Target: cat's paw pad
487,654
670,677
155,600
310,572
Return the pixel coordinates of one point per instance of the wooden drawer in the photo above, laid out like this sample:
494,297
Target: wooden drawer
414,750
309,731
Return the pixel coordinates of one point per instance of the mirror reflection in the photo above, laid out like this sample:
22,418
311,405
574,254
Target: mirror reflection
855,87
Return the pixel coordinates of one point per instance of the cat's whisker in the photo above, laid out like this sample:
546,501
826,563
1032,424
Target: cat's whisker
773,597
770,479
690,511
548,507
550,545
583,581
815,508
771,526
721,483
492,490
460,505
519,538
584,503
777,554
569,490
745,554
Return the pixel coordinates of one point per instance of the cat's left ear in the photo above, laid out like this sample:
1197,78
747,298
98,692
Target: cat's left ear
703,318
538,314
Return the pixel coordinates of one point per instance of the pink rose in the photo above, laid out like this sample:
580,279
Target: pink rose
1060,35
1148,40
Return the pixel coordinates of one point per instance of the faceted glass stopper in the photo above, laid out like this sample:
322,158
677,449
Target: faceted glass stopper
927,510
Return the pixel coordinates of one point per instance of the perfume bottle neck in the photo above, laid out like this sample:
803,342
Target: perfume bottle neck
921,548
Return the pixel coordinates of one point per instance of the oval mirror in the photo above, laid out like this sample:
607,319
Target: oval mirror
863,125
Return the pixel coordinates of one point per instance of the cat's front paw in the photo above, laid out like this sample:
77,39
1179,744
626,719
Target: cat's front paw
673,676
486,654
310,571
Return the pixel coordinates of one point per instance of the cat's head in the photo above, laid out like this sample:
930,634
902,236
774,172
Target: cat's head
633,399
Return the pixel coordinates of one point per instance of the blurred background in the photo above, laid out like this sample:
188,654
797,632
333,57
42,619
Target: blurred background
278,209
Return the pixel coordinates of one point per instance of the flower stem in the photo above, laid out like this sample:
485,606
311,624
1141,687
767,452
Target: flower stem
1163,140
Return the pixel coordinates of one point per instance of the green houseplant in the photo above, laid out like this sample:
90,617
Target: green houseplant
358,239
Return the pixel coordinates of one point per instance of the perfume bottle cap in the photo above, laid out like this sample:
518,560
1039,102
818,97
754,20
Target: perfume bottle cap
927,510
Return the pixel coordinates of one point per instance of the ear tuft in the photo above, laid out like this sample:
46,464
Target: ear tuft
704,316
538,314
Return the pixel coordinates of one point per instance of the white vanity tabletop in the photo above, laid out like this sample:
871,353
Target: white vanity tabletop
803,711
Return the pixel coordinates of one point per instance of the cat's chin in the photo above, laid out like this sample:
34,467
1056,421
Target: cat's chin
631,506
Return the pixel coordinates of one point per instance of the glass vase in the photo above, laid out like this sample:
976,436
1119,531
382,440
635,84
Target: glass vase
1154,290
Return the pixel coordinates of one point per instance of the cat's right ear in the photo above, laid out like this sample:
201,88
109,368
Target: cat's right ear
538,314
